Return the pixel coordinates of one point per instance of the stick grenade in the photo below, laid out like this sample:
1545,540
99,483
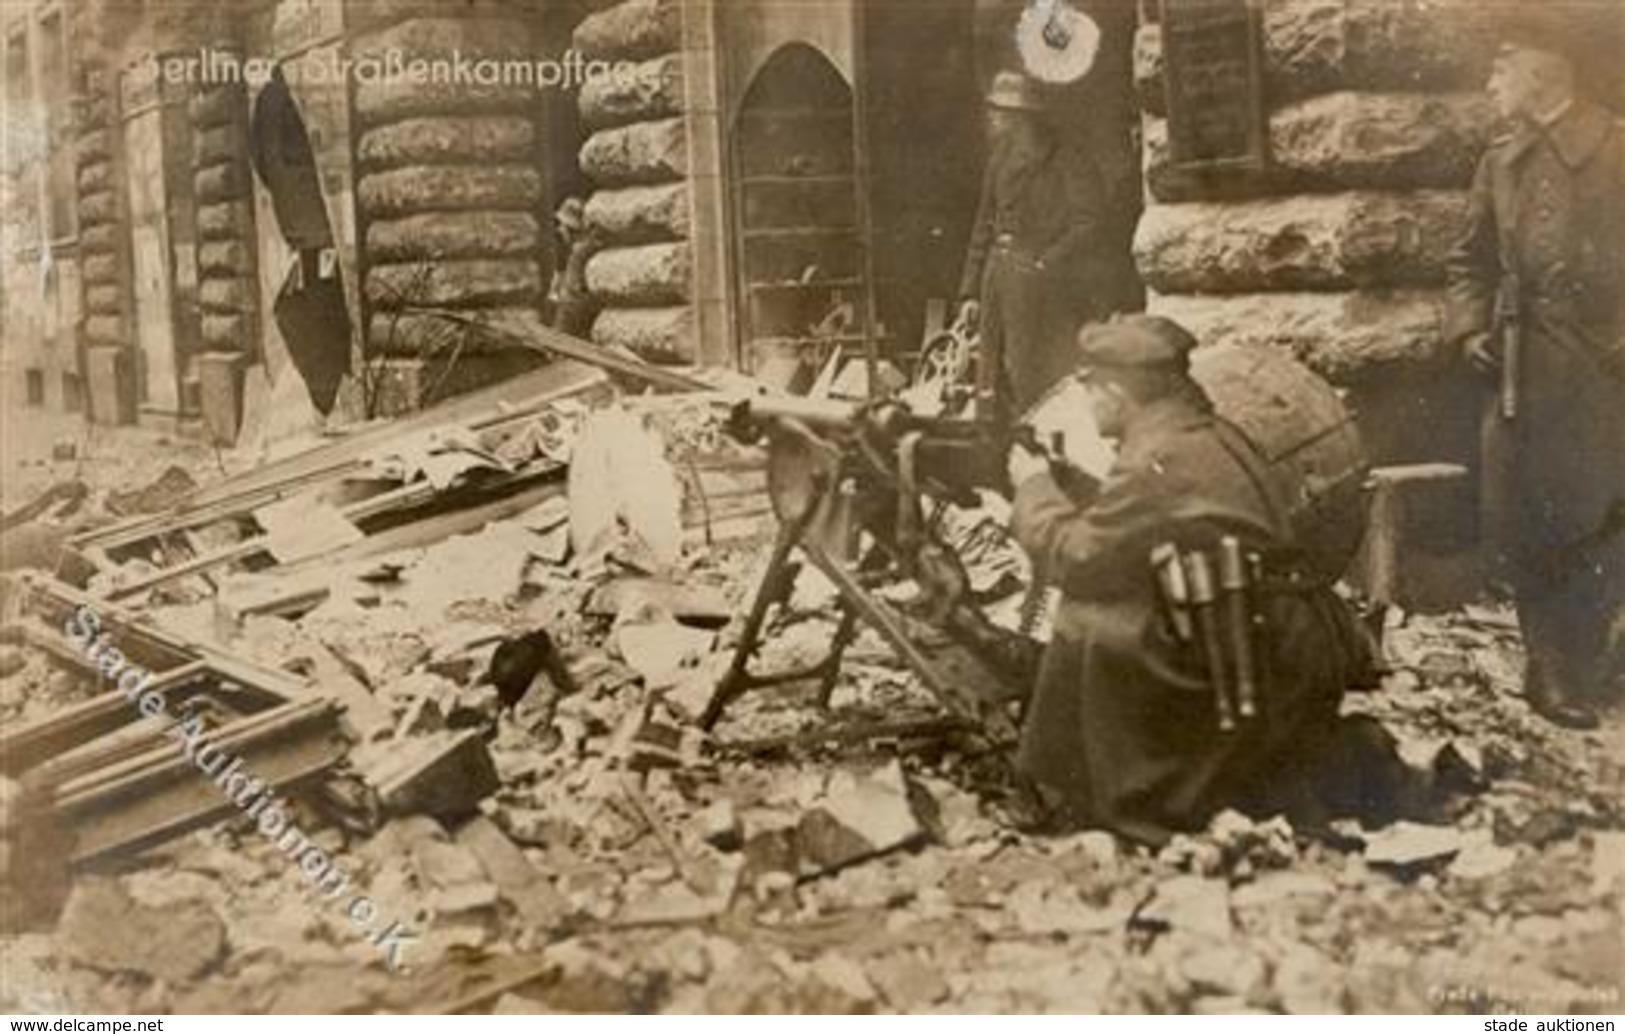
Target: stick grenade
1238,626
1199,573
1176,594
1258,626
1509,319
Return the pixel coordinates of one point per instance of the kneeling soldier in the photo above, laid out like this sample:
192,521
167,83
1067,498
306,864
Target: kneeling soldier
1197,662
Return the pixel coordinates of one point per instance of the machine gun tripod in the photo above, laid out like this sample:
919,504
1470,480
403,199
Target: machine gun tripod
841,472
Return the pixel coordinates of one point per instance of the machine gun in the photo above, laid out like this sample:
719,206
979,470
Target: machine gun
848,483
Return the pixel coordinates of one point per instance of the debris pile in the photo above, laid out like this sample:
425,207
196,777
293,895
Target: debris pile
471,650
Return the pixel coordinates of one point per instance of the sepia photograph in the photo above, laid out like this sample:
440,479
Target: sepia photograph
812,507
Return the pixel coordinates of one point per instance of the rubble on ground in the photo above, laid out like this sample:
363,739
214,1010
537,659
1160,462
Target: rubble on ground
586,847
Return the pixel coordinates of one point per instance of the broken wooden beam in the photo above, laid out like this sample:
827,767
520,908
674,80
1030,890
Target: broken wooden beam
144,641
24,746
530,332
508,402
162,793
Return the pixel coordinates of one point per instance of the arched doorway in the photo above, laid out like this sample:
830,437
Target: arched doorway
797,231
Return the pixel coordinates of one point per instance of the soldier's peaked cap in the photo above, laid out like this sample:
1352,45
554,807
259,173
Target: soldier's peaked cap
1589,33
1135,341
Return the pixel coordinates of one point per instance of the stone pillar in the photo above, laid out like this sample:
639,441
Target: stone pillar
227,256
1375,122
228,275
637,158
104,257
451,199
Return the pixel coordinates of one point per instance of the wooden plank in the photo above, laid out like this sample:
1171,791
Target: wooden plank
26,746
418,493
502,403
148,643
528,331
436,529
151,805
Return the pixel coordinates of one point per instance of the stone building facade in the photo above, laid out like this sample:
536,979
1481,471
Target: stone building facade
1375,118
45,237
779,181
252,193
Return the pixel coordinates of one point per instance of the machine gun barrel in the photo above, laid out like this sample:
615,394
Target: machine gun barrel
751,414
888,419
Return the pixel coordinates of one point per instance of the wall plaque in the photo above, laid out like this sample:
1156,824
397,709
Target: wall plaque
1213,75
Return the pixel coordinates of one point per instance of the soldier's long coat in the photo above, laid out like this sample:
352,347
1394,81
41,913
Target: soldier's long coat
1122,724
1049,251
1548,219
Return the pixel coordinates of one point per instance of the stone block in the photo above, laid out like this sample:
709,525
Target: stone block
644,152
1349,140
1383,140
442,140
1323,46
112,384
371,14
648,90
404,385
95,176
226,332
223,143
1313,46
224,182
391,99
98,209
103,928
1342,335
102,238
631,29
223,220
441,188
637,214
663,335
464,282
1326,242
101,269
220,376
92,111
441,235
94,146
224,295
103,299
415,334
105,331
445,775
495,33
219,106
1148,85
226,259
647,274
1414,555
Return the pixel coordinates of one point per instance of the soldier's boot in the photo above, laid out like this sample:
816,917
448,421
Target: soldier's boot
1552,702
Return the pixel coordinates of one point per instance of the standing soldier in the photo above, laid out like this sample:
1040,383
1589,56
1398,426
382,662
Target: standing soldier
1538,309
1044,254
572,302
